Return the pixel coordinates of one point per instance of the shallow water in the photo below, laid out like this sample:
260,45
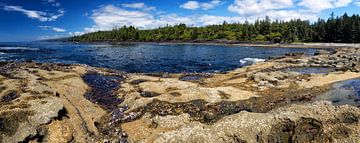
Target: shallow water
310,70
193,77
344,92
143,57
102,90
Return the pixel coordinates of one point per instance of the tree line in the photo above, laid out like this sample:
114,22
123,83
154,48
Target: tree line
339,29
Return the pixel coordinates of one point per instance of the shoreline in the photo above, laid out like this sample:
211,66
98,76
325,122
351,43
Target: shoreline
81,103
244,44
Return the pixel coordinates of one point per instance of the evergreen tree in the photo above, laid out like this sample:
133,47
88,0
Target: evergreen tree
335,29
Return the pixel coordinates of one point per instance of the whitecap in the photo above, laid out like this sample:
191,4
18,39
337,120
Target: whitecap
19,48
251,60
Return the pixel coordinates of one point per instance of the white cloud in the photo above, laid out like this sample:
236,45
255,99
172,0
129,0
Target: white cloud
59,29
320,5
140,5
173,19
288,15
60,13
316,6
252,7
284,9
195,20
210,5
342,3
56,29
39,15
110,16
193,5
211,19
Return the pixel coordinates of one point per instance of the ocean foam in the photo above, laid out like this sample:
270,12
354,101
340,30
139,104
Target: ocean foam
19,48
251,60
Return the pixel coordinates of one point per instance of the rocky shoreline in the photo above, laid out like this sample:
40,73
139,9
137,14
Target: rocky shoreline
237,43
271,101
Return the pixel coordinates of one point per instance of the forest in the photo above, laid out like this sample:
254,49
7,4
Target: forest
339,29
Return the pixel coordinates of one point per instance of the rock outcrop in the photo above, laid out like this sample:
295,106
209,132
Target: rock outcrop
270,101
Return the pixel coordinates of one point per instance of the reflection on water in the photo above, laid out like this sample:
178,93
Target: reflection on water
143,57
344,92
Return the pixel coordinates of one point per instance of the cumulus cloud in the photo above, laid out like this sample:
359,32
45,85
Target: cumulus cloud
211,19
284,9
140,5
251,7
210,5
39,15
320,5
56,29
193,5
110,16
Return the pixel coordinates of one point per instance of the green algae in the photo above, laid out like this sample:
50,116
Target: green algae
11,120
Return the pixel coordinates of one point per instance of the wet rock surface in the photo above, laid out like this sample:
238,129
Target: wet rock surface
102,89
343,92
280,100
194,77
310,70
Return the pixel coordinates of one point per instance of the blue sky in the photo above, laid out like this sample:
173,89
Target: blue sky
27,20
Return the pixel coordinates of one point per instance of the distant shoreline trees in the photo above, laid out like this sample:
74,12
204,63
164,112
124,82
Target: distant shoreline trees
340,29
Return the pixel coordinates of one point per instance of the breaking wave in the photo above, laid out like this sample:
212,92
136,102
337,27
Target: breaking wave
19,48
251,60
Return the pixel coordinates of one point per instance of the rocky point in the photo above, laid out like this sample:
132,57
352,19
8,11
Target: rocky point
271,101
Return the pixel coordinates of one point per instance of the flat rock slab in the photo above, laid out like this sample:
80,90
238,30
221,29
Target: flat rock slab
40,112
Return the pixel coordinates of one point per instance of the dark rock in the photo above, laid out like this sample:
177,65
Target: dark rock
321,52
194,77
175,94
349,118
149,94
308,130
10,96
282,132
295,54
138,81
